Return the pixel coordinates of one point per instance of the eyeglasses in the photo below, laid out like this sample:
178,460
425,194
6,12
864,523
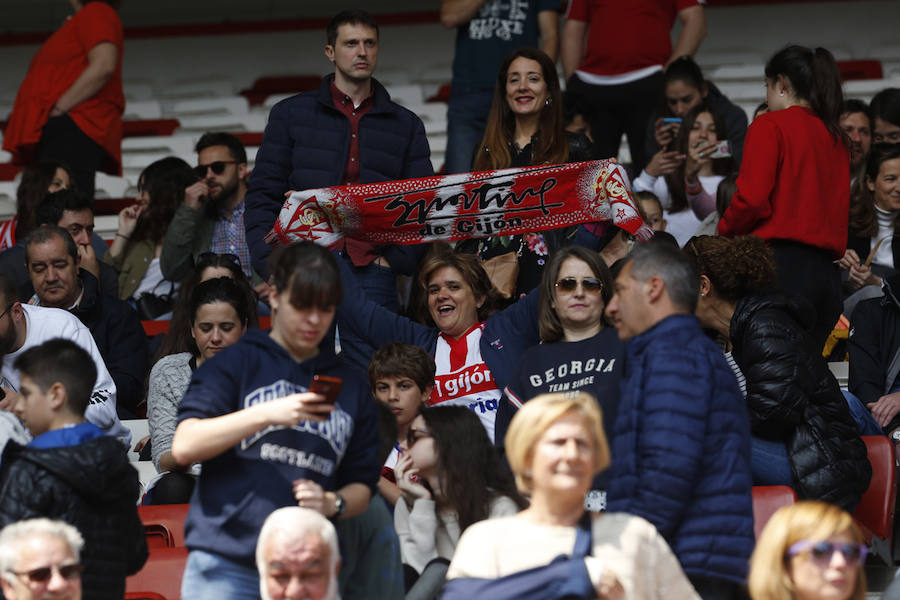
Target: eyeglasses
413,435
43,574
821,552
218,167
211,257
590,285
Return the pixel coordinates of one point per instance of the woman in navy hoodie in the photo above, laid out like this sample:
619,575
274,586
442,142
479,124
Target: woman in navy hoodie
265,441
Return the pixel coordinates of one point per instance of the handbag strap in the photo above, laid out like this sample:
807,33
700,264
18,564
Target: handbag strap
583,544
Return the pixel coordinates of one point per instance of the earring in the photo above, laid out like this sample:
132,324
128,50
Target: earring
547,102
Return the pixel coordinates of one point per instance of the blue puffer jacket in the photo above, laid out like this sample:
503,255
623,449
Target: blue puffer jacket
305,146
682,449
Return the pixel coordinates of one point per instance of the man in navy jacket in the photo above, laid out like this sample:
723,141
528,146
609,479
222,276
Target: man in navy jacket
682,436
345,133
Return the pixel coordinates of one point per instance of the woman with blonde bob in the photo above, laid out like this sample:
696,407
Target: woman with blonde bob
555,446
809,551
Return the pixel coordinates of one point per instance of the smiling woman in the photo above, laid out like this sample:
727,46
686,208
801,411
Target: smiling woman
475,351
525,127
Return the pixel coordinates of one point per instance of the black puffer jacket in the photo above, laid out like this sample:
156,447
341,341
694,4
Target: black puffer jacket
91,486
792,396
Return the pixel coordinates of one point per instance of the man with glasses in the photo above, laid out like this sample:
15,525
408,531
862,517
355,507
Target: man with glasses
74,212
40,558
71,471
347,132
59,280
211,219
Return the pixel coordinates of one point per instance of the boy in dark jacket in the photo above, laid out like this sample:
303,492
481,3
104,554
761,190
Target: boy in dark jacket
71,470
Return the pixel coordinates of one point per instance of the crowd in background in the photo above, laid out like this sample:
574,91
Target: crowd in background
561,413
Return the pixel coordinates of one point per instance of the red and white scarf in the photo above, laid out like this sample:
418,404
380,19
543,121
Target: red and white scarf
469,205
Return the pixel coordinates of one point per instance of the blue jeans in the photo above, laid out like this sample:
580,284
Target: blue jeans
769,463
466,117
864,420
208,576
380,286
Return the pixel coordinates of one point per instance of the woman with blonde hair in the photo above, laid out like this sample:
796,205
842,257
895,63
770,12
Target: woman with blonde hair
555,446
809,551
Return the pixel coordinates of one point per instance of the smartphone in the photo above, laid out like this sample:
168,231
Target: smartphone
672,120
722,150
329,387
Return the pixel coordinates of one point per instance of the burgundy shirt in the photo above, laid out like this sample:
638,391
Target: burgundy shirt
361,253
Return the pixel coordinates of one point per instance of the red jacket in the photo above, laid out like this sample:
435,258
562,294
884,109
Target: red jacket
794,183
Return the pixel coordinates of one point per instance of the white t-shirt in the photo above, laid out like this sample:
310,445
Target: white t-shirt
463,379
44,324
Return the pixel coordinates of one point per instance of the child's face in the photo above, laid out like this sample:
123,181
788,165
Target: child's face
402,396
654,215
33,407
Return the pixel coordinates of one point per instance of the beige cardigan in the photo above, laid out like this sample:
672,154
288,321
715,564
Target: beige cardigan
628,545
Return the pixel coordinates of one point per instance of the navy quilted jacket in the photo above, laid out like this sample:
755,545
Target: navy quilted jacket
681,449
305,146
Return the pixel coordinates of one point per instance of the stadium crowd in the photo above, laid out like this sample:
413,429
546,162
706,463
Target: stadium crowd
565,412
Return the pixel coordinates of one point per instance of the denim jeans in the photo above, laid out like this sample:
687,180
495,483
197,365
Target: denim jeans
769,462
466,117
209,576
380,286
864,420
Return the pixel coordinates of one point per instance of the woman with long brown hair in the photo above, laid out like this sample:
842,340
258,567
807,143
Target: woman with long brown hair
525,127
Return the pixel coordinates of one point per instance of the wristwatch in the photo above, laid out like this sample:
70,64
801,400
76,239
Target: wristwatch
895,435
340,506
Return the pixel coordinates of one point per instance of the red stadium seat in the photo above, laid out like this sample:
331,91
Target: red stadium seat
875,513
442,95
766,500
154,328
264,87
8,171
161,574
149,127
144,596
111,206
860,69
164,524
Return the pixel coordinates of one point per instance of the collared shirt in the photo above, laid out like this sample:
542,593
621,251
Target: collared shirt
229,237
361,253
344,103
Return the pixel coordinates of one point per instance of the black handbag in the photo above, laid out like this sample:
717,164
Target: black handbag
150,306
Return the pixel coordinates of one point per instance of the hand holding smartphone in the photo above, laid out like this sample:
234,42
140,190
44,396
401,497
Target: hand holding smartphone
327,386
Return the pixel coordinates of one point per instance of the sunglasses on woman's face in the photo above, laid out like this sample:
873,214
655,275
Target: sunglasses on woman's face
43,574
218,167
591,285
821,552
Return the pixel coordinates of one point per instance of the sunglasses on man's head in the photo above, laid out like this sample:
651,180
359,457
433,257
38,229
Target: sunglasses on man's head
43,574
588,284
821,552
218,167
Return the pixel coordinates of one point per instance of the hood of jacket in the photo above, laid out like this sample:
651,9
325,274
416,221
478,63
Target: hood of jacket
98,469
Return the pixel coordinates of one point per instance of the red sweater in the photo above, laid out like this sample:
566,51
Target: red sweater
794,183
